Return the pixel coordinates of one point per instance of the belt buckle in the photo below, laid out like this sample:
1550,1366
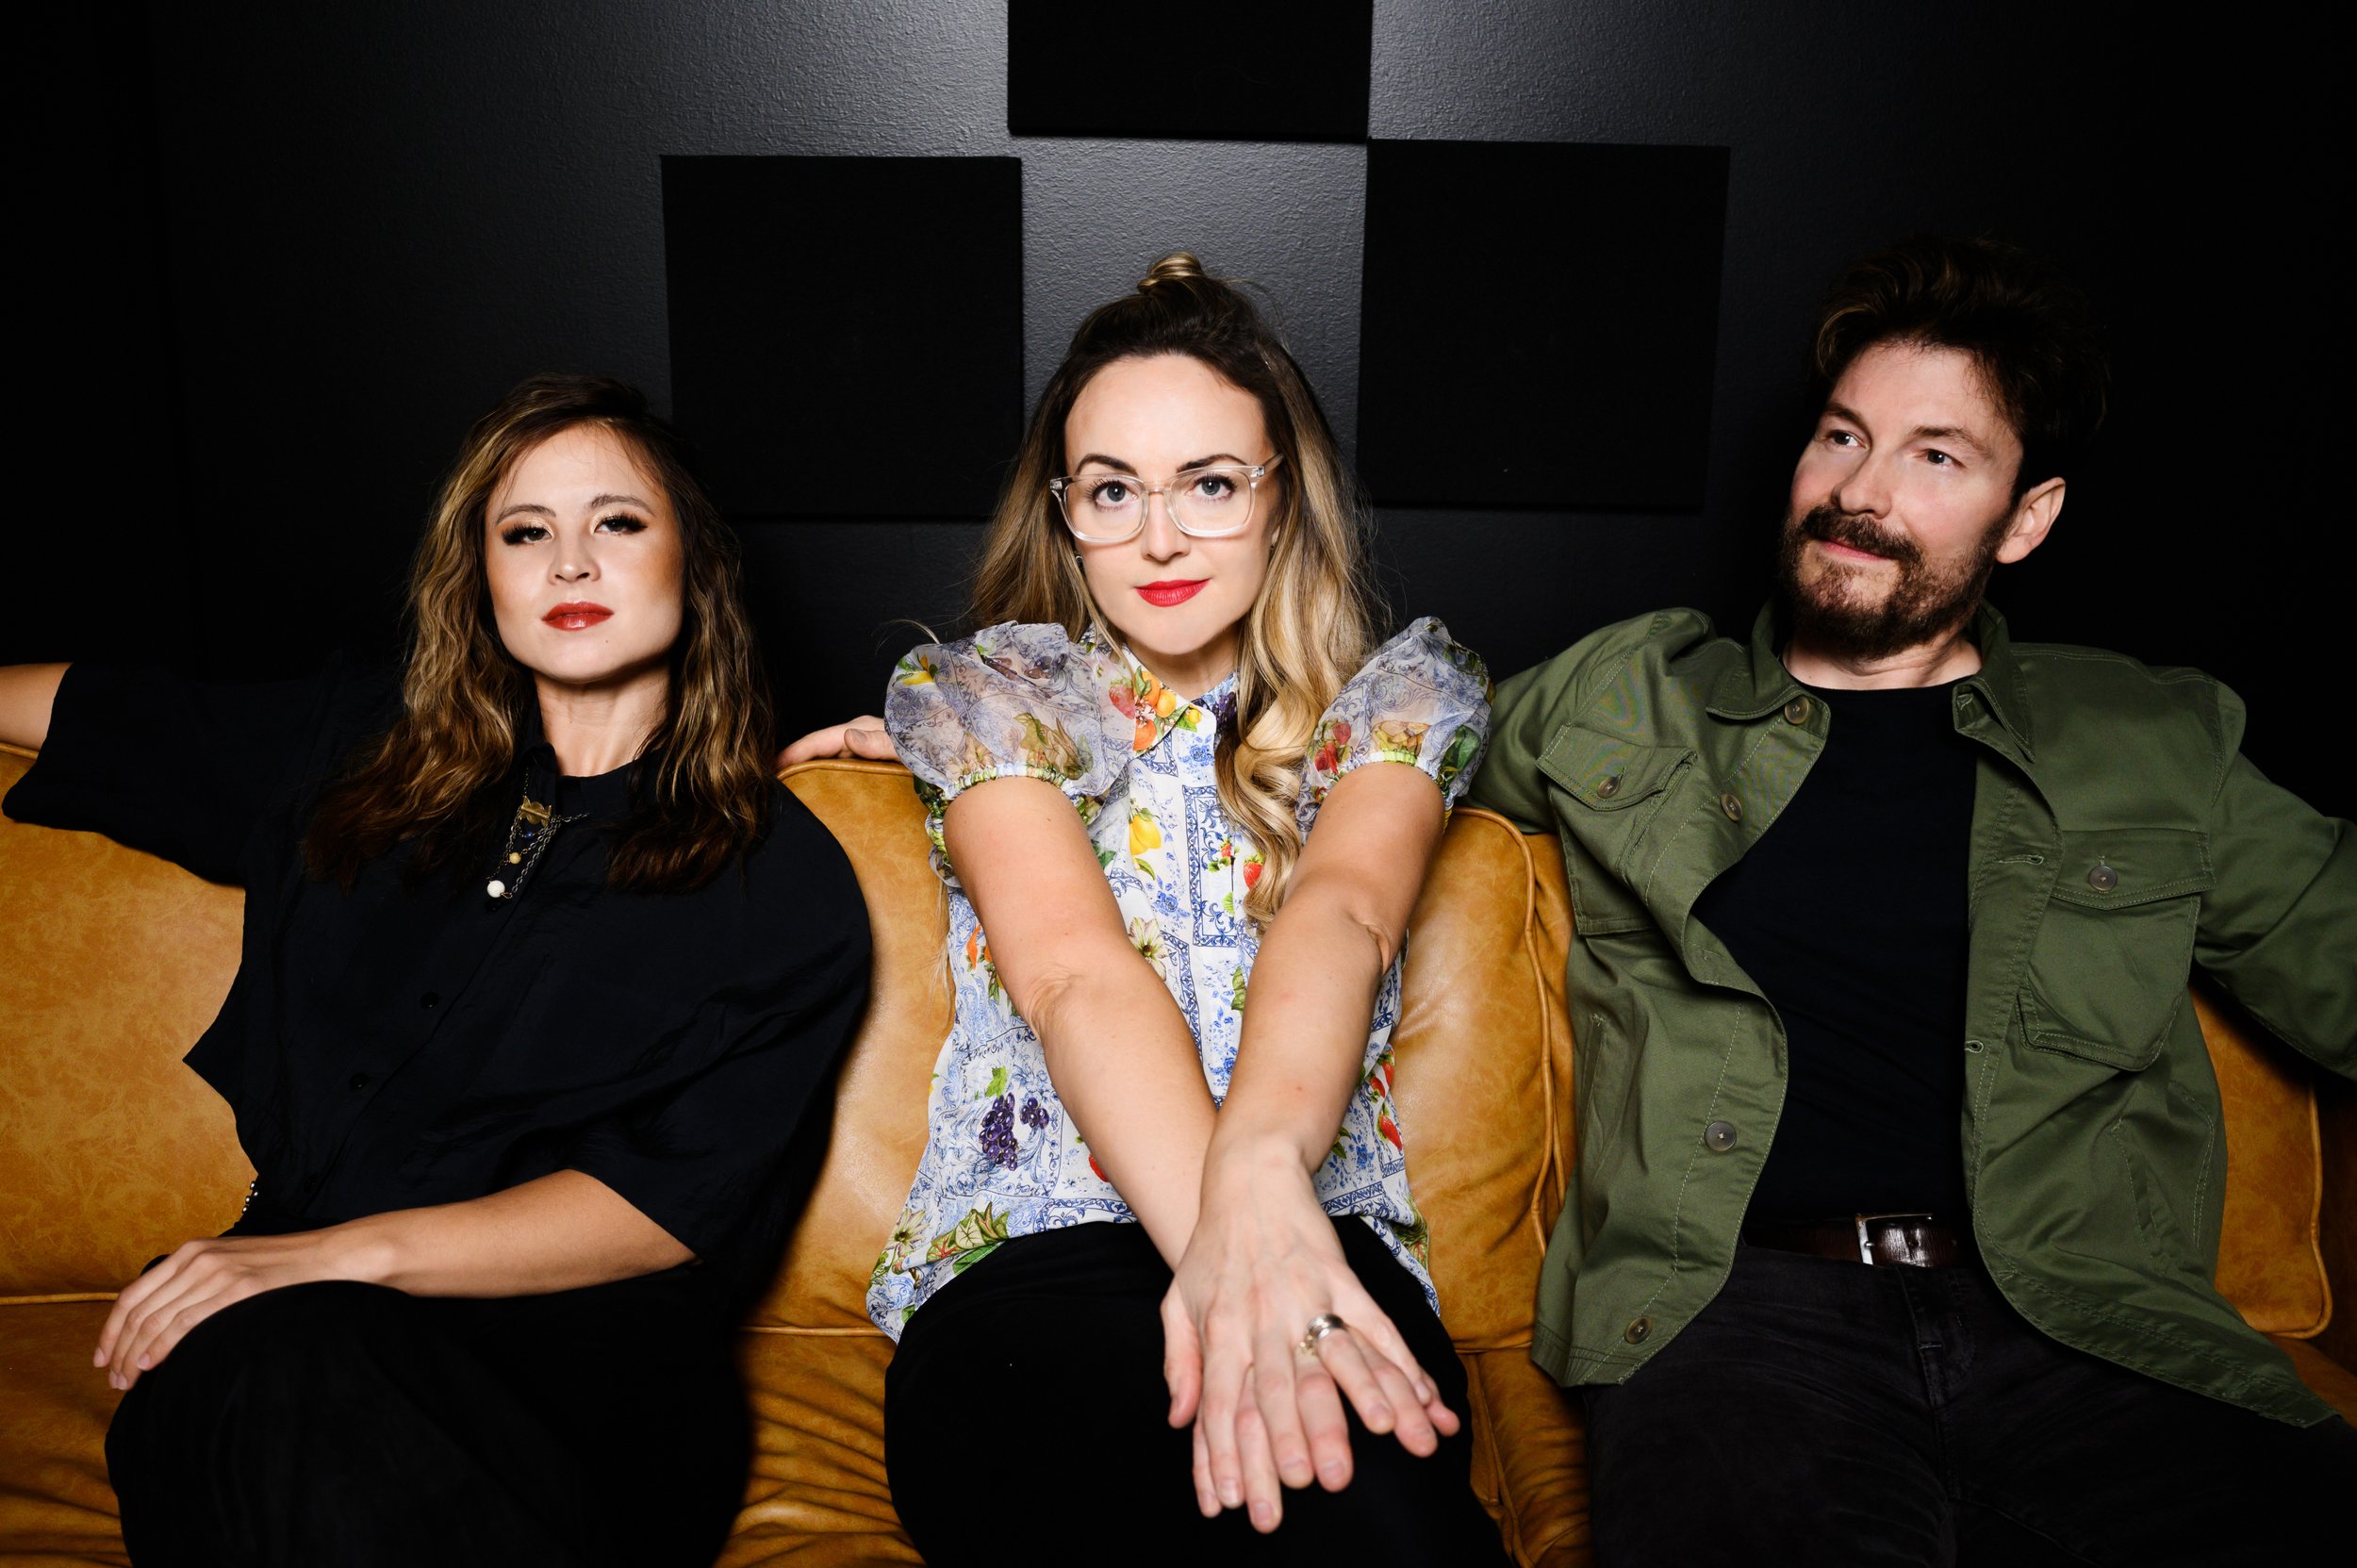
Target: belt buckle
1865,1238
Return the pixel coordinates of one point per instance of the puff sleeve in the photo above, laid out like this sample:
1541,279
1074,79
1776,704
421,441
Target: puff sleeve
1422,699
1014,700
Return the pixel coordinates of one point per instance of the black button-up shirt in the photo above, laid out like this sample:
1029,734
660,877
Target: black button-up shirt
412,1042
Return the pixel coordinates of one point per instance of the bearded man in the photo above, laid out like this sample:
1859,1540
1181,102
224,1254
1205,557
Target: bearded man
1898,1195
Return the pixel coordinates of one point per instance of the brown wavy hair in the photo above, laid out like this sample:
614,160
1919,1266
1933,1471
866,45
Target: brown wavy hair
438,779
1314,624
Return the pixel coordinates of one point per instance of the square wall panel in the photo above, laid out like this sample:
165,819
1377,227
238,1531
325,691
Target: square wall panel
1538,324
847,333
1216,71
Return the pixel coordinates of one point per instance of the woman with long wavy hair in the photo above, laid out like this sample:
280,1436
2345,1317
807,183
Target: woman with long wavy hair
542,972
1179,891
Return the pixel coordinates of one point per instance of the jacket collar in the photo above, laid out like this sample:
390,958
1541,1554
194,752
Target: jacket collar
1760,684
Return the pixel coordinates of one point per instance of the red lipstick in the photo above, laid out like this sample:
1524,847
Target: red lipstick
1176,592
577,616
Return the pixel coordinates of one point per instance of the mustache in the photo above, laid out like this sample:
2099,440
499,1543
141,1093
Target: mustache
1833,525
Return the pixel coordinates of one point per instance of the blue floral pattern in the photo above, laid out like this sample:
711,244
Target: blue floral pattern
1002,1157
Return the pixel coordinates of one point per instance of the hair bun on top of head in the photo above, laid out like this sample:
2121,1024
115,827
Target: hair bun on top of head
1179,266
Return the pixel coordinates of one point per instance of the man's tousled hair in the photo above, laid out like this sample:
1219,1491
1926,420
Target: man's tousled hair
2026,327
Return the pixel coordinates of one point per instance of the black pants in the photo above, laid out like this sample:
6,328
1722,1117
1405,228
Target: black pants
1828,1413
354,1425
1025,1420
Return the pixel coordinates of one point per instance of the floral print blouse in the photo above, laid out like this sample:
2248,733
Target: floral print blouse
1003,1158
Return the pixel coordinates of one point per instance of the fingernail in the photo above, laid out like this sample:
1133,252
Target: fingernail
146,1364
1263,1517
98,1358
1231,1495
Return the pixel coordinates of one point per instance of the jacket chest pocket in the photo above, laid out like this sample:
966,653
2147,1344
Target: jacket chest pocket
1607,791
2114,952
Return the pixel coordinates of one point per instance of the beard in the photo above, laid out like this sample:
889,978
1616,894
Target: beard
1839,616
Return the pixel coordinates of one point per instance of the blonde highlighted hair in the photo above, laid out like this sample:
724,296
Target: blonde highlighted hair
1313,623
436,779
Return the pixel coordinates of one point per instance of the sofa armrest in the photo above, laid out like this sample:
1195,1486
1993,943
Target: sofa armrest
2336,1115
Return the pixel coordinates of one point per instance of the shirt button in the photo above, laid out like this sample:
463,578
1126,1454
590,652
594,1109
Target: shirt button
2102,878
1796,711
429,999
1639,1331
1718,1136
1733,807
1609,789
359,1081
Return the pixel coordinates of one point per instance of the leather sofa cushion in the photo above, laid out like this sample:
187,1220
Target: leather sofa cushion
111,963
2268,1265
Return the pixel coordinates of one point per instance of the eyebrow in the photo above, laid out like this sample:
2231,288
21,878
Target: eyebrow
539,510
1187,467
1956,434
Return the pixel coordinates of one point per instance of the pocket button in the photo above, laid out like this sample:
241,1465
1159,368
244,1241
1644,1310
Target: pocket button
2102,878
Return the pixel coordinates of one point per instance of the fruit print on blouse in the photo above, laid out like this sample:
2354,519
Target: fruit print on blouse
1140,766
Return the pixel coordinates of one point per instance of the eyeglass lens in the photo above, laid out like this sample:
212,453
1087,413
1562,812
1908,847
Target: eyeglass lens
1113,505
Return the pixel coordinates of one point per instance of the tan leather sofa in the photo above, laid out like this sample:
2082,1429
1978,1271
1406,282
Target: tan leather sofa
112,1152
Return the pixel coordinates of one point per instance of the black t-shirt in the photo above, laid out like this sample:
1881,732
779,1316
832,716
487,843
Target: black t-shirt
1850,913
417,1042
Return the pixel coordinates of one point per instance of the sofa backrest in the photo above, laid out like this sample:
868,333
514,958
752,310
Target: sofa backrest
111,963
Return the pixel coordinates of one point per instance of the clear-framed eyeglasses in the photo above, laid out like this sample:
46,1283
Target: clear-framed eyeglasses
1216,503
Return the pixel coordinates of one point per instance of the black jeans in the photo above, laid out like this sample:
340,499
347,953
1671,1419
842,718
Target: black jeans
1827,1413
1025,1420
356,1426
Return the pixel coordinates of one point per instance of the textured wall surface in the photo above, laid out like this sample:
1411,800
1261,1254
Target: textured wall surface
364,221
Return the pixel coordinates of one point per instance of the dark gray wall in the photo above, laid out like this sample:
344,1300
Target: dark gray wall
353,226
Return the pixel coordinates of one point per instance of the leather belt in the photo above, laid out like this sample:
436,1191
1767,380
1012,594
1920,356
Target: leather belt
1911,1241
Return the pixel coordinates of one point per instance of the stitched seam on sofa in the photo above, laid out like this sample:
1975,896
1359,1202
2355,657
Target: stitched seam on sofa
2316,1227
1537,962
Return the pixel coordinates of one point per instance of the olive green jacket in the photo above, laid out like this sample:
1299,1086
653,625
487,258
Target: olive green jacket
2117,840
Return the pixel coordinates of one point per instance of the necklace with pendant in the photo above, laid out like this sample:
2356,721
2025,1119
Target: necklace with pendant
528,838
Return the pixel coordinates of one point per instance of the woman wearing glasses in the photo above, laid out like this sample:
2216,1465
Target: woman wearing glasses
1178,898
541,971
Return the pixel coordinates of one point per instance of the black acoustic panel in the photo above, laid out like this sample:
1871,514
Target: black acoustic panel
847,333
837,603
1538,324
1219,70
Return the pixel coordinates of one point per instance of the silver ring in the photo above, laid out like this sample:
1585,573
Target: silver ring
1320,1326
